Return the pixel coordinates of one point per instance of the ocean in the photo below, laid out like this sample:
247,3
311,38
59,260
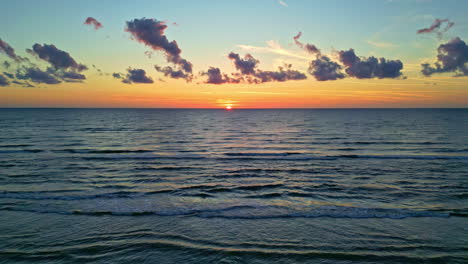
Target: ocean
239,186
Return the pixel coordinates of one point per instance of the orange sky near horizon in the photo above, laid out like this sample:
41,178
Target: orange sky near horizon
349,93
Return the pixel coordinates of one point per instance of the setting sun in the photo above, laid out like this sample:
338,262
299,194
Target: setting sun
228,107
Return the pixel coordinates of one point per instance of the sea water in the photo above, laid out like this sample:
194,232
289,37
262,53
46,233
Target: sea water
239,186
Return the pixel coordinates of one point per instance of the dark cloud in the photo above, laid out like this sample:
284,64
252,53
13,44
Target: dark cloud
92,21
64,67
283,74
117,75
59,59
250,74
134,76
9,51
24,84
324,69
348,58
36,75
246,65
452,57
151,33
168,71
9,75
436,27
366,68
71,76
216,77
307,47
4,81
50,76
66,76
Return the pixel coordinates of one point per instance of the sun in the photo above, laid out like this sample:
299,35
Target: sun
229,107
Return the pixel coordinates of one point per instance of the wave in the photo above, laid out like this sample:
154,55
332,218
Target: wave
260,212
265,196
221,189
21,151
43,195
150,154
409,156
450,150
15,145
254,154
146,156
104,151
132,242
167,168
391,143
275,156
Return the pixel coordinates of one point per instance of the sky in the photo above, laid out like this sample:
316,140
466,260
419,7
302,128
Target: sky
244,54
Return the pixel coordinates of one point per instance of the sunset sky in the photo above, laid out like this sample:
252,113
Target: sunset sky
193,54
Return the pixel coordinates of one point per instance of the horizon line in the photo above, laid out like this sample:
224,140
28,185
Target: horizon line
233,109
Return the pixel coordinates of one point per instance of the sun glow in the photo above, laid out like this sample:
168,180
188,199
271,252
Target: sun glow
228,107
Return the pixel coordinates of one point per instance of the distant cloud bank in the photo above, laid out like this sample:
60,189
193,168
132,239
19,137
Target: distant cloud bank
249,73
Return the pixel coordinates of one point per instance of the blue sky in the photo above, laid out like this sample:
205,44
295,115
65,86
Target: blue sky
218,26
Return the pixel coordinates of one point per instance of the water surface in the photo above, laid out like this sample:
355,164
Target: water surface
241,186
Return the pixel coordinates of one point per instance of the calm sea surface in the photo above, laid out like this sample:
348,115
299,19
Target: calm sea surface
241,186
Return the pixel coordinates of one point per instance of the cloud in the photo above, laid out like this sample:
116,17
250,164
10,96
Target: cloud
69,76
4,81
9,75
323,69
250,74
283,74
168,71
133,76
436,27
216,77
9,51
64,67
92,21
24,84
151,33
36,75
282,3
452,57
6,64
312,49
366,68
246,65
59,59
